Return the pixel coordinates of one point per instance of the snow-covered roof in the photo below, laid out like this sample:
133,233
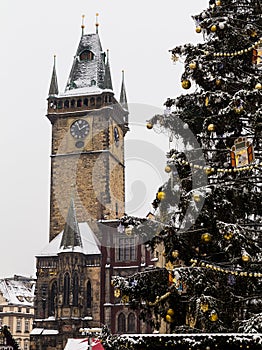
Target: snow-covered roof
18,291
90,245
82,344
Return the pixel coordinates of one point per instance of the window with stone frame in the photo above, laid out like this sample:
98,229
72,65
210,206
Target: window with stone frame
88,295
121,323
131,323
126,249
66,294
75,289
18,325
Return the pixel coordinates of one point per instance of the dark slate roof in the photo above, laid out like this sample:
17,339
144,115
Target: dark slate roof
53,90
108,80
71,236
84,73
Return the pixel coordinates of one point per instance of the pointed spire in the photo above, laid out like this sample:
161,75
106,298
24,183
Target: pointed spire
53,90
83,26
108,81
123,98
71,236
97,24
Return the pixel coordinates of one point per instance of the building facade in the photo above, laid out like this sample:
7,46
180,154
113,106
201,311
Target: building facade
17,308
87,245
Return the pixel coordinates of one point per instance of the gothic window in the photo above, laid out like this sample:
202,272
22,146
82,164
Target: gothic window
85,102
73,102
88,295
75,289
66,289
53,298
98,101
126,249
92,101
86,55
66,104
131,323
79,103
121,323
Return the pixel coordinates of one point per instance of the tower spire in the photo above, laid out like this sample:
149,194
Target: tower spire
108,81
123,98
53,90
97,24
71,236
83,26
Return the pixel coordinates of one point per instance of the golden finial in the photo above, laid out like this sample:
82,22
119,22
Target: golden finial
97,24
83,26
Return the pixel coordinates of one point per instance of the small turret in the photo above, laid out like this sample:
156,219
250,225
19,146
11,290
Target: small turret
123,98
108,80
53,90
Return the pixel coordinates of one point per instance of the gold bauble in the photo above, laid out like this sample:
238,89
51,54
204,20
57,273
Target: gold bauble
204,307
206,237
168,169
196,197
258,86
218,3
175,253
170,312
169,319
186,84
211,127
218,82
161,196
192,65
149,126
245,257
213,316
228,235
117,293
198,29
239,110
213,28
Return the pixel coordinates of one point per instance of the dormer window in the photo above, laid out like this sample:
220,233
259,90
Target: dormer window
86,55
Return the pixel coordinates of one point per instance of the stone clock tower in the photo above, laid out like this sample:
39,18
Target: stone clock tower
87,245
88,129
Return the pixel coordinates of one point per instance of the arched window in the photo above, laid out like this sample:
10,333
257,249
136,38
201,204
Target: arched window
86,102
131,323
66,104
98,101
66,289
88,295
73,102
86,55
93,82
53,299
92,101
121,323
75,289
79,103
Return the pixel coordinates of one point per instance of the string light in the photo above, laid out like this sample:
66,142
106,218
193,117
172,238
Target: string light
237,53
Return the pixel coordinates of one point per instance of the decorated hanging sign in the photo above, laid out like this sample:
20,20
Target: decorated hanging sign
242,153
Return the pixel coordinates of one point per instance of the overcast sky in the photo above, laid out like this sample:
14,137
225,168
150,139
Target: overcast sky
138,35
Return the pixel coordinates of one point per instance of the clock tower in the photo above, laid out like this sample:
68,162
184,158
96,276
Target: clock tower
88,129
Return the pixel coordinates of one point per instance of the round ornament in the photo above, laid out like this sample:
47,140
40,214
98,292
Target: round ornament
218,82
228,235
213,316
196,197
175,253
218,3
211,127
161,195
258,86
169,319
170,312
198,29
245,257
204,307
213,28
192,65
186,84
168,169
206,237
239,110
149,126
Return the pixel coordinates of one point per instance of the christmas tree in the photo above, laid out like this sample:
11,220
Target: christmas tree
208,215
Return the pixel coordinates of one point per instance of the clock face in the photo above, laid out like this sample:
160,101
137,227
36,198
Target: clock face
116,136
79,129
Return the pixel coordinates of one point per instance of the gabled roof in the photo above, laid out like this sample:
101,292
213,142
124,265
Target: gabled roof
90,244
87,73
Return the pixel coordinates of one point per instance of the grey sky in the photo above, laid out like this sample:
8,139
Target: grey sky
139,35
